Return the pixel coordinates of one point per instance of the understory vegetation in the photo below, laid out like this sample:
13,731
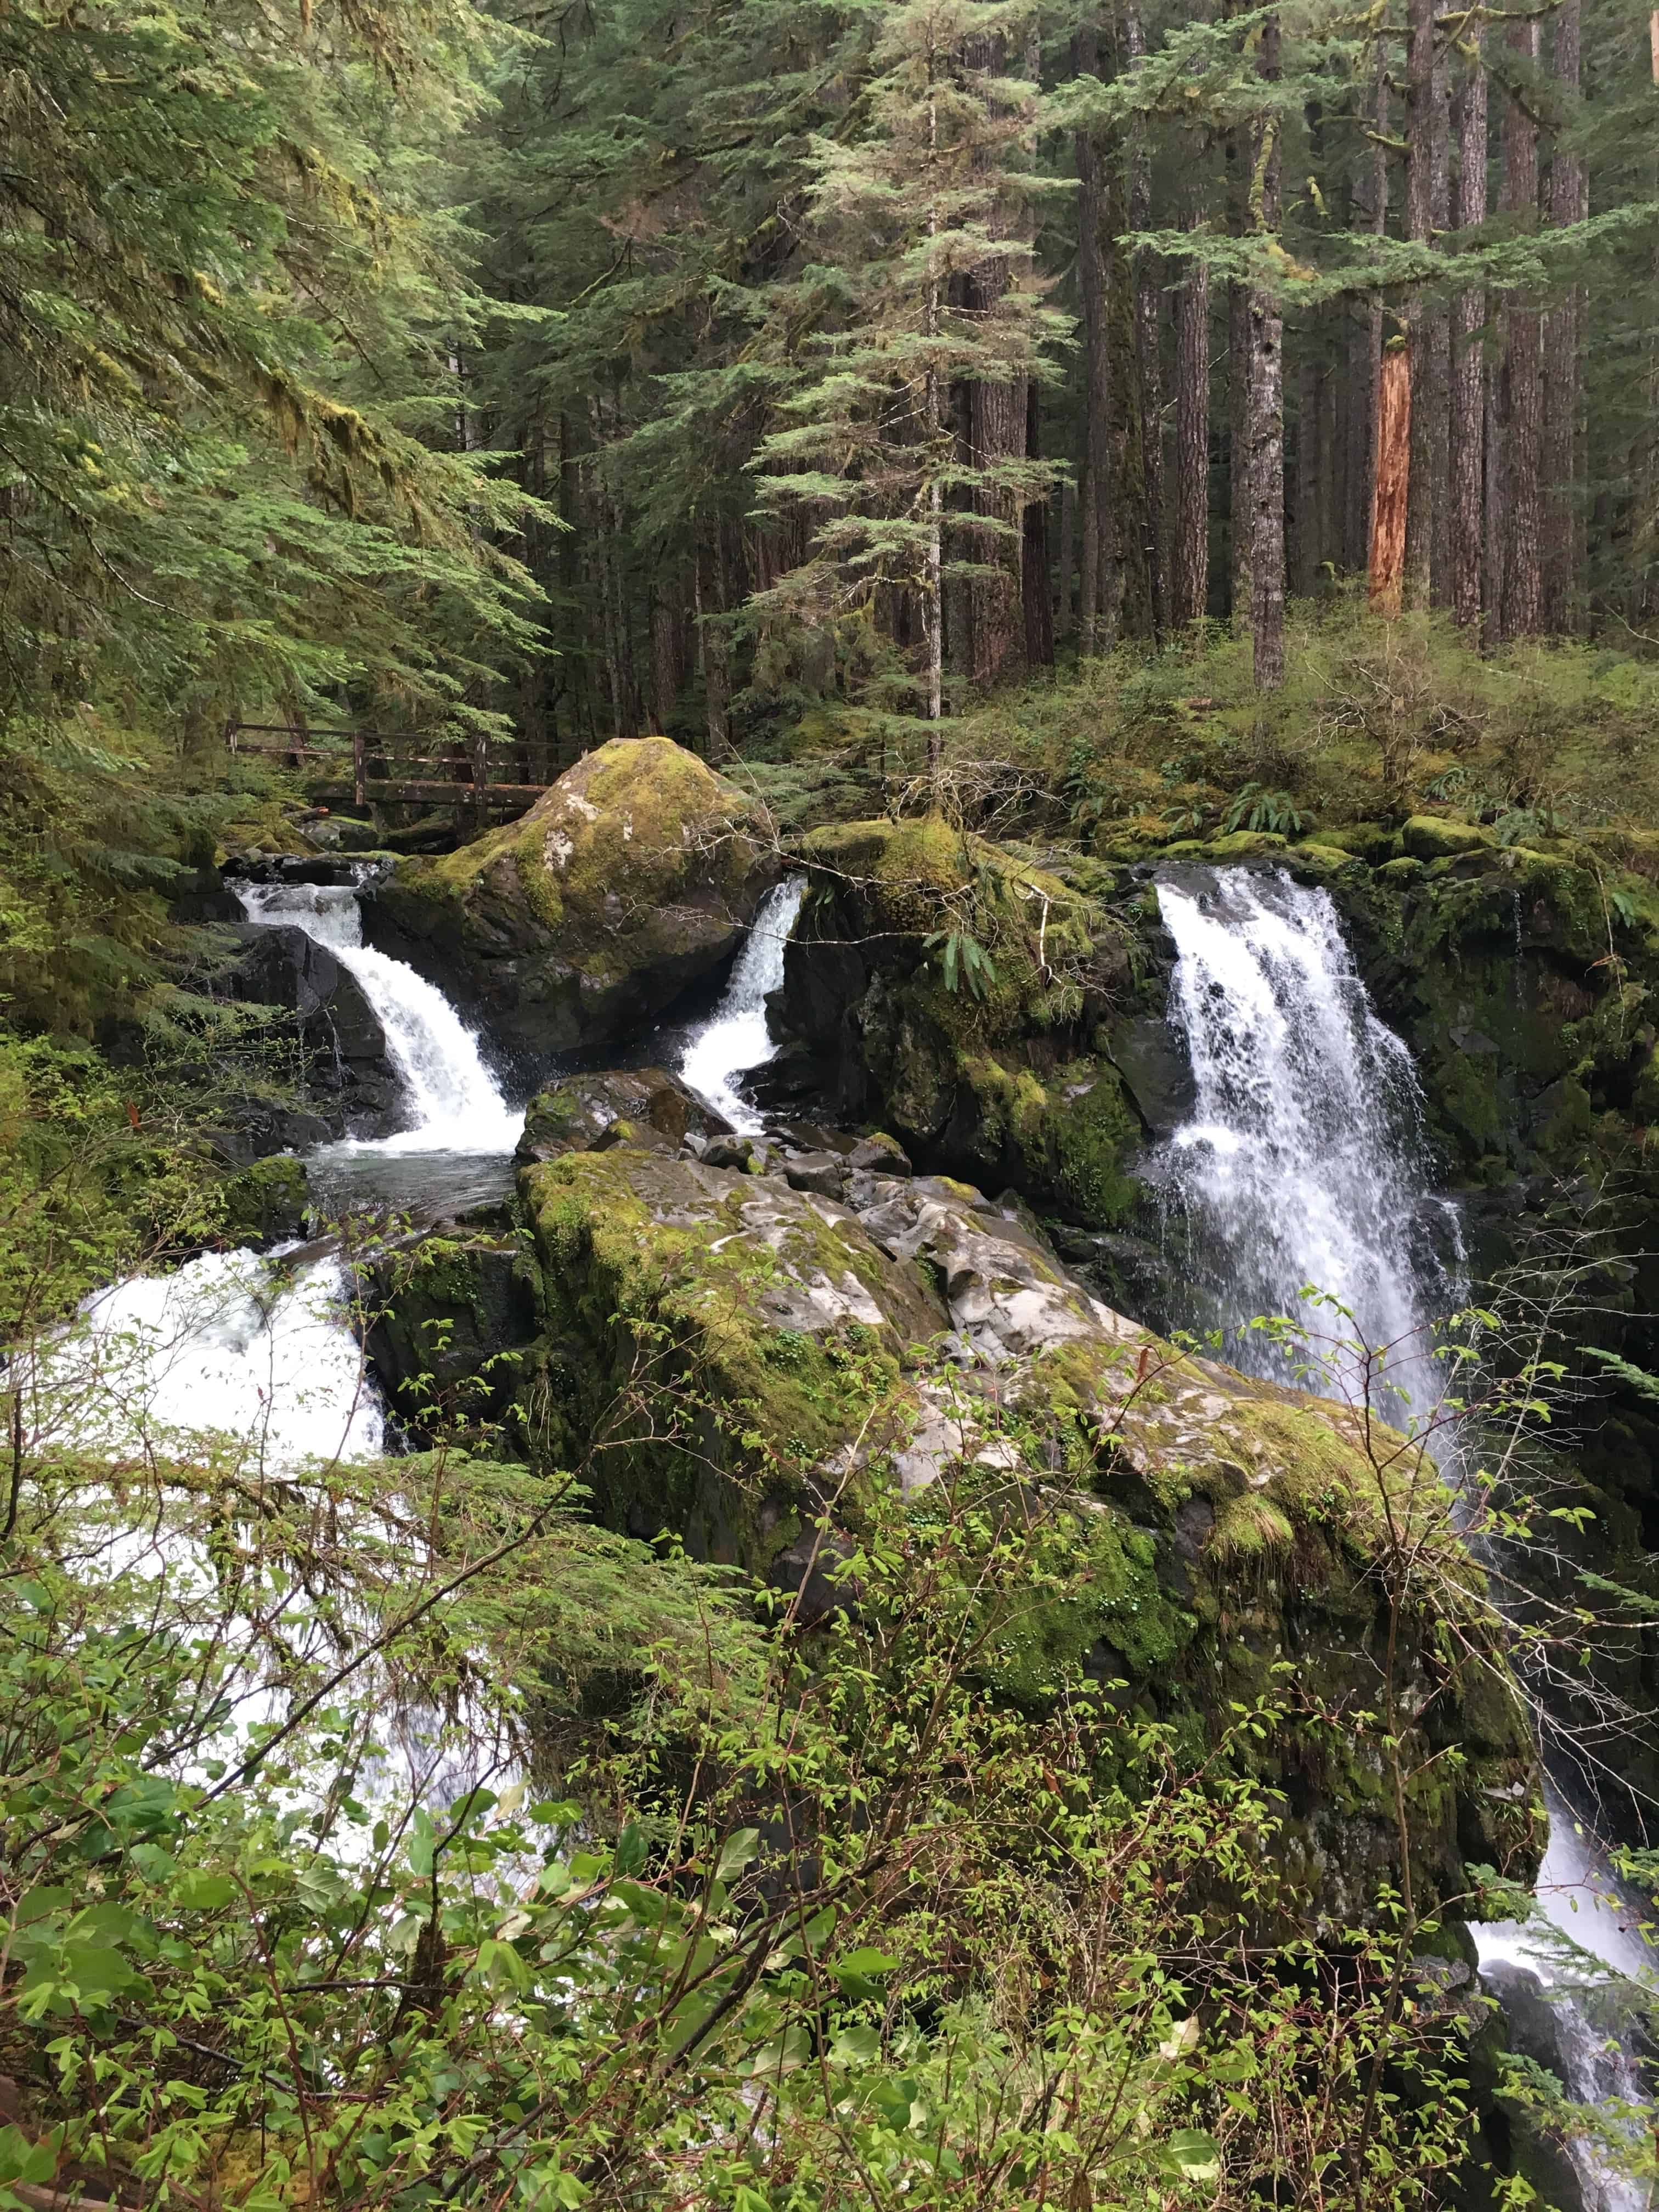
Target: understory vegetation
391,1834
934,448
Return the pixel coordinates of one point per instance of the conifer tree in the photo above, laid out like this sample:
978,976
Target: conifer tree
916,227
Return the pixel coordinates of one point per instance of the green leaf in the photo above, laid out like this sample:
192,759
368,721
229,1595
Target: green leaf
1195,2156
736,1853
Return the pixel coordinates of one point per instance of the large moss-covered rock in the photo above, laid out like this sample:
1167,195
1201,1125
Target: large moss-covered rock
452,1314
959,995
632,877
731,1359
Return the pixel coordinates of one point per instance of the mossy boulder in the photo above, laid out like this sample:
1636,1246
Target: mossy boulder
959,994
633,876
734,1360
266,1203
1431,837
452,1314
574,1114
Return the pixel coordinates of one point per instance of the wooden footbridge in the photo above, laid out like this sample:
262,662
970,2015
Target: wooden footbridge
406,768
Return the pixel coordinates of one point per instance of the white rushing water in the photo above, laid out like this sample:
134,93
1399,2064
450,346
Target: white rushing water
1301,1165
454,1102
230,1355
736,1039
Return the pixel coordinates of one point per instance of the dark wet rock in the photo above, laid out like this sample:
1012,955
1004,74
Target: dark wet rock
879,1155
823,1172
454,1315
578,1110
267,1202
1151,1056
960,996
348,1084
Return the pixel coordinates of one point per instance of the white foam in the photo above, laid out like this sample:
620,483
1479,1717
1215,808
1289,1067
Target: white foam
736,1040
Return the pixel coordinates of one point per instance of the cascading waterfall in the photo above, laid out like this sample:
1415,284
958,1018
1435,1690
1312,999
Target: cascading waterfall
1302,1165
454,1104
736,1040
1302,1162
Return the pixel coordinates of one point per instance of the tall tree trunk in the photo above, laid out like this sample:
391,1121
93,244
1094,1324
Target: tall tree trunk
996,434
1421,123
1191,555
1068,561
1567,205
1092,284
1267,410
1308,468
1365,348
1434,386
665,654
1240,504
1491,575
1148,354
1469,367
1391,498
1038,609
1127,583
1523,386
1238,451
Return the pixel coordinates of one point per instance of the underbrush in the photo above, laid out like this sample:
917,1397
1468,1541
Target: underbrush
1377,719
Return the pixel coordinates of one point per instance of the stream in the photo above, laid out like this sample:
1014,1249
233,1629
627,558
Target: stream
1303,1163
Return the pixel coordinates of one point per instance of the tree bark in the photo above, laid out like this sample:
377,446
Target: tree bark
1365,343
1126,594
996,418
1308,469
1190,559
1419,226
1238,451
1391,497
1268,412
1064,612
1567,205
1038,608
1469,367
1092,284
1522,382
664,655
1491,582
1148,350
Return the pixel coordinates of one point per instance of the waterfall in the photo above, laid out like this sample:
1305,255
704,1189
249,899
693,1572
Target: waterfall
1303,1164
736,1039
230,1353
454,1102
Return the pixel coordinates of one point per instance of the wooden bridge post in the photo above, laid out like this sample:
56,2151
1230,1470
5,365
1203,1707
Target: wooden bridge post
358,768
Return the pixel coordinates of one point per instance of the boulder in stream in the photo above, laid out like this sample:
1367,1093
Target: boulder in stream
633,876
576,1111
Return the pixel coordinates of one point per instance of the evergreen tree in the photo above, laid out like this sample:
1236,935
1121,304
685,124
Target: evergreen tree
919,238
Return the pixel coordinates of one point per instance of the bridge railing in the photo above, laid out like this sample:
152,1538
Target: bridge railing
341,760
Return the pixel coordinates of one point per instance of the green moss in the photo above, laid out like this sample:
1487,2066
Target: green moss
676,1302
1429,837
1110,1596
1251,1528
1065,1138
266,1203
